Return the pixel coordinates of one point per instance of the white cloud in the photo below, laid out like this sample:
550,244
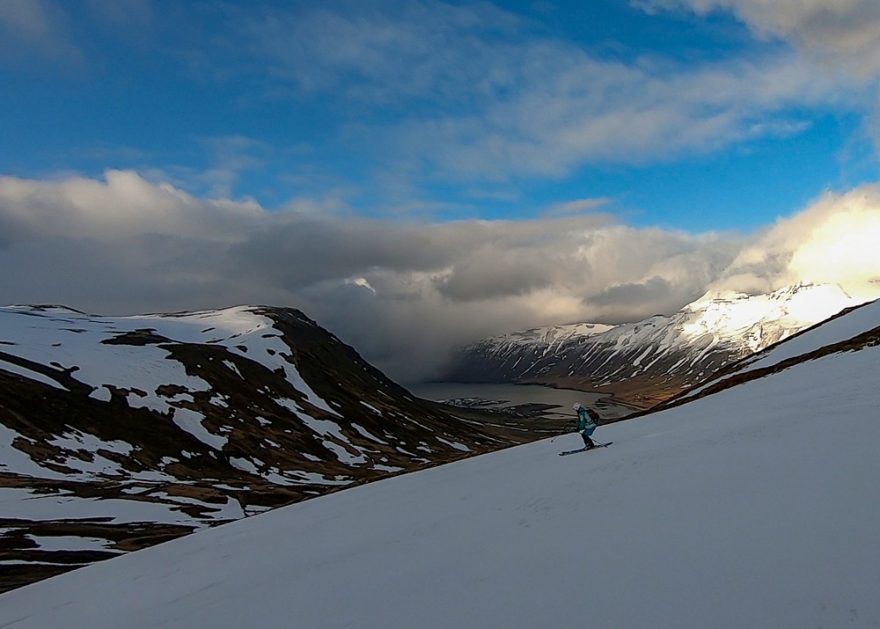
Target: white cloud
123,205
833,240
843,33
384,52
62,33
838,41
580,110
475,93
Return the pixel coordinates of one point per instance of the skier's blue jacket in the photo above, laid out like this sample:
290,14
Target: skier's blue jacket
585,422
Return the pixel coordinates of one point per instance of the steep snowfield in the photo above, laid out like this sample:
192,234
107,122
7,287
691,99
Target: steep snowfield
755,321
754,507
836,330
829,333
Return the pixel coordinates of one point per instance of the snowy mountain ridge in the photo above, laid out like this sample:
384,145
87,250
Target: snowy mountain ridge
839,333
754,506
144,428
757,321
653,359
551,335
547,340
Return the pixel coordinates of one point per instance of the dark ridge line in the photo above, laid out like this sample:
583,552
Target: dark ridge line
860,341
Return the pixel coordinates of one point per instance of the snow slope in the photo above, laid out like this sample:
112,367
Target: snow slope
832,332
67,339
753,507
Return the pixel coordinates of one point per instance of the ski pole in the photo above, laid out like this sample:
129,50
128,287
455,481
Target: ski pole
558,436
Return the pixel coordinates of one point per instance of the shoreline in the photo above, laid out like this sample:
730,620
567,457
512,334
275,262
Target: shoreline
502,395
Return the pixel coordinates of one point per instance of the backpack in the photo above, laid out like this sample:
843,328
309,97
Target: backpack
593,415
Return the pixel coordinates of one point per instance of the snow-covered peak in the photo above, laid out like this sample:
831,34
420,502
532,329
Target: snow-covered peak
748,322
99,351
657,357
762,319
833,332
549,335
207,326
799,290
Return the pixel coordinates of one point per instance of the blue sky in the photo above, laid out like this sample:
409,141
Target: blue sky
348,105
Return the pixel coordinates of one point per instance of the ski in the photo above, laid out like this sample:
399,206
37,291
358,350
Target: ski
598,445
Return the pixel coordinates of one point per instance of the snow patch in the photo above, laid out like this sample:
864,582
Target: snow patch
454,444
30,374
191,422
245,465
371,407
70,542
231,366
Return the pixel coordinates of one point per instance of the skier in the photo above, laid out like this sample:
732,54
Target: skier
586,423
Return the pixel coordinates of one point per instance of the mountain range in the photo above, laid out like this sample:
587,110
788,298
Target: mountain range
649,361
117,433
749,503
120,432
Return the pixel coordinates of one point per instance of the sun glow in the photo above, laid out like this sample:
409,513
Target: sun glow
844,249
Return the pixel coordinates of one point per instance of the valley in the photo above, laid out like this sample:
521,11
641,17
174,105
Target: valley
120,433
693,510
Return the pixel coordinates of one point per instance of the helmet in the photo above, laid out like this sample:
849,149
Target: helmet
577,406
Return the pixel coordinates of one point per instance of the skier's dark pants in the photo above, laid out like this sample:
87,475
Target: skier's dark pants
588,443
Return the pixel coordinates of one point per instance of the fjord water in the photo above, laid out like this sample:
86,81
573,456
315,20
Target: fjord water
507,395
